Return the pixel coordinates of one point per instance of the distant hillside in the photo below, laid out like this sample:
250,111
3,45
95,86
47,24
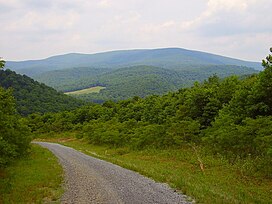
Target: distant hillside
80,78
169,58
65,80
32,96
140,81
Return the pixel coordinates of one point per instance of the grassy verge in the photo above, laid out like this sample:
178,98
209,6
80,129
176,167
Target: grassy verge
219,183
33,179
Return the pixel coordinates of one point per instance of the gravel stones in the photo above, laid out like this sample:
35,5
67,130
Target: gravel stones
91,180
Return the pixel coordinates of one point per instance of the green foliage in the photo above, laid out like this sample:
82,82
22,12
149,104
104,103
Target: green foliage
65,80
2,63
158,121
14,133
243,127
203,101
263,89
251,136
184,132
32,96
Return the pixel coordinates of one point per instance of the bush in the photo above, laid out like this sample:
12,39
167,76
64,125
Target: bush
253,137
14,133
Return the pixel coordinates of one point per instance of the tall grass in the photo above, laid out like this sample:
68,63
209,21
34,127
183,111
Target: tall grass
220,182
36,178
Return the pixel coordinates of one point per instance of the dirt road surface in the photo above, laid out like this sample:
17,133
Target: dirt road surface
91,180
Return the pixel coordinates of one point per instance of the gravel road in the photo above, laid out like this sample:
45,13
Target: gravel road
91,180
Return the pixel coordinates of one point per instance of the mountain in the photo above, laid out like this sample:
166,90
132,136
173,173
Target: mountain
128,73
169,58
32,96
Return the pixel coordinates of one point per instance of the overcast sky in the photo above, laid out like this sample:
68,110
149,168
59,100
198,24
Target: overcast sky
35,29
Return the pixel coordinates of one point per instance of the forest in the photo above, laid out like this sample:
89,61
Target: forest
231,117
126,82
34,97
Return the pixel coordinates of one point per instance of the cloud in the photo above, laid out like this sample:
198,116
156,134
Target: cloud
228,27
38,20
232,17
218,5
104,4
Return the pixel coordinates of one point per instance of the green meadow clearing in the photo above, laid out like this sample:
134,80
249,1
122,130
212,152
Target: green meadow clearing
95,89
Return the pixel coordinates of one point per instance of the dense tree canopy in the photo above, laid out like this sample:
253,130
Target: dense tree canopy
2,63
170,119
132,81
243,126
14,133
32,96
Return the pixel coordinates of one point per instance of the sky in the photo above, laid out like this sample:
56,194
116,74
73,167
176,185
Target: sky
37,29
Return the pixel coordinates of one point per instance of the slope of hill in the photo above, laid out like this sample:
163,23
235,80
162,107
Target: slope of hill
80,78
143,80
170,58
64,80
32,96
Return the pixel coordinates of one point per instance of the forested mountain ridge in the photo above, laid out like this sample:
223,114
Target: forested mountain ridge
71,79
141,81
32,96
80,78
170,58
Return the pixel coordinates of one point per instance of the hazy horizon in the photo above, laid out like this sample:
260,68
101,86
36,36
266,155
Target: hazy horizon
61,54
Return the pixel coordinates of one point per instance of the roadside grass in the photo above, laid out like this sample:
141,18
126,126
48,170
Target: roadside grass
219,183
37,178
95,89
